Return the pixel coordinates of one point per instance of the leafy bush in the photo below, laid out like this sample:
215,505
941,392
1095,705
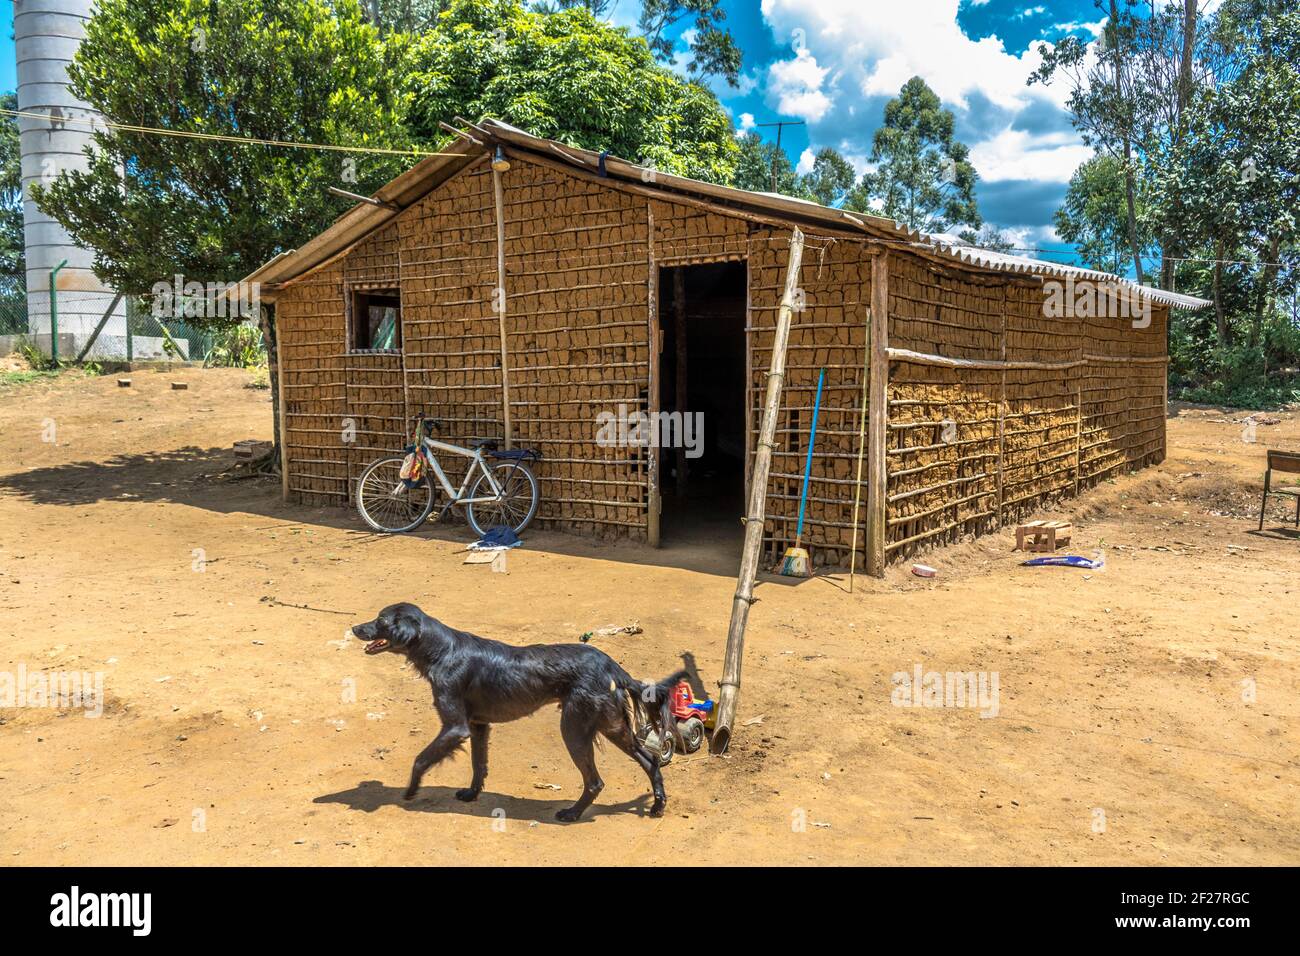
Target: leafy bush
1239,377
32,355
239,346
261,378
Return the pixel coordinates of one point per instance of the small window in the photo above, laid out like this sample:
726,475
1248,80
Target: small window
376,320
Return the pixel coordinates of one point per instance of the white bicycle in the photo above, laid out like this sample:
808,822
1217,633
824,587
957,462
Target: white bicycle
499,492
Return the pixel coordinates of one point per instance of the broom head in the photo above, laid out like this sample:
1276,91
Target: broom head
795,564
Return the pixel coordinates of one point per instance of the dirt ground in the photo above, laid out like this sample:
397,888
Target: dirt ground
1146,714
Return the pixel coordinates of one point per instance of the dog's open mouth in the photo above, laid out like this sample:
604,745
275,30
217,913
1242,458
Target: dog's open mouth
374,647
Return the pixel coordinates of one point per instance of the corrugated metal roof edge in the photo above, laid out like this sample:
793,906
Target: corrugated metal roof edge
1003,262
403,191
362,219
876,226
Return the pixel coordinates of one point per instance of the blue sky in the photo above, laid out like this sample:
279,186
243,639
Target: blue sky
835,63
8,71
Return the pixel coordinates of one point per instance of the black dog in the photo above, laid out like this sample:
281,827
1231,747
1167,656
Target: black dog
477,682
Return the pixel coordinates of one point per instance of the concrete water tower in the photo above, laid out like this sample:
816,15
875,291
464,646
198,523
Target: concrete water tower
46,36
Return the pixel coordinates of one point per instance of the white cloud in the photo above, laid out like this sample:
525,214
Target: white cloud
796,87
806,160
1075,25
746,122
1015,154
840,77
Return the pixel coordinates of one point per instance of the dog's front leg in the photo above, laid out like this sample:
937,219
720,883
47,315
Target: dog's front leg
449,738
478,747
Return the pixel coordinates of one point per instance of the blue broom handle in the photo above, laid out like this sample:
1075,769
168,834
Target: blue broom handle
807,465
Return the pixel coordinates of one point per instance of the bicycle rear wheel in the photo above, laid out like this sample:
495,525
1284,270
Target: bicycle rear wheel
518,503
384,501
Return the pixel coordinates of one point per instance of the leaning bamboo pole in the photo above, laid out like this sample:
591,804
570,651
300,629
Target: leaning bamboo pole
862,445
499,300
730,684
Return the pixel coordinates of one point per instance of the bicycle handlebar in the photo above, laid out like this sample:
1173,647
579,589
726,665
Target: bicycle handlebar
429,423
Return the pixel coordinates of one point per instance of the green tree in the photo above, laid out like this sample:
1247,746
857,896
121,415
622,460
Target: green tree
713,49
1231,184
405,16
828,182
831,178
922,175
989,237
569,77
1129,94
283,70
1094,216
152,206
597,8
756,163
13,255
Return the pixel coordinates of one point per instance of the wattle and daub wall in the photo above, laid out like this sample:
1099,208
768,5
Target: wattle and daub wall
1034,407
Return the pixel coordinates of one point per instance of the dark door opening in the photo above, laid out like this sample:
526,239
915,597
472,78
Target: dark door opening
702,379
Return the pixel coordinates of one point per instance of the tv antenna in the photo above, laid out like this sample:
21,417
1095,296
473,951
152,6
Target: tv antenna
782,124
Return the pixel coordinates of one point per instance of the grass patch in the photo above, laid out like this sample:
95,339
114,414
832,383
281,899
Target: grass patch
14,377
1262,395
29,365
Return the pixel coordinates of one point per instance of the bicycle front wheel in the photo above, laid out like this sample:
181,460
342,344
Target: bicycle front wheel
517,505
384,501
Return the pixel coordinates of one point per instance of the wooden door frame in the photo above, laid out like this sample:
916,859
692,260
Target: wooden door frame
653,406
655,499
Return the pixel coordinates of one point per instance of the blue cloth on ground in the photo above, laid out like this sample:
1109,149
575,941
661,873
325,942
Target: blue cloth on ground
497,537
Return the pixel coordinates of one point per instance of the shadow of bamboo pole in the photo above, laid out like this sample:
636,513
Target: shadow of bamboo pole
730,683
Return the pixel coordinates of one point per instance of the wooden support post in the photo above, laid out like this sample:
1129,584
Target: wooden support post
1078,430
280,410
499,301
877,412
1002,443
1002,413
1082,374
729,691
653,500
749,366
1164,423
406,383
862,446
680,372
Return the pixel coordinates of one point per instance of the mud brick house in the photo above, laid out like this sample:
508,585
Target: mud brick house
517,288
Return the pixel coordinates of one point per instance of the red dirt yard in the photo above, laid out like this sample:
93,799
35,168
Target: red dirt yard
1146,714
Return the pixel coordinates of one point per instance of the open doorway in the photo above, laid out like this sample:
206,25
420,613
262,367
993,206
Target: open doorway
702,375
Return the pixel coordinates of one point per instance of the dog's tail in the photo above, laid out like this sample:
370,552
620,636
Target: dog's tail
651,704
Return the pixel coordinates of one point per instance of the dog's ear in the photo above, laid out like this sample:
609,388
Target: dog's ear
404,629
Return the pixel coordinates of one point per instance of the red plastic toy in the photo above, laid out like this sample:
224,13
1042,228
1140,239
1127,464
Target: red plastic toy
692,717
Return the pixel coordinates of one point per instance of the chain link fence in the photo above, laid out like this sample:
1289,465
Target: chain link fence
98,327
13,312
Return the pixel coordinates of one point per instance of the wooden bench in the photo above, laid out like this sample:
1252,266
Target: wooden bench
1043,535
1285,461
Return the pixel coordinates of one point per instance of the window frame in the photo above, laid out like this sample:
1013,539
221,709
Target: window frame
359,291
